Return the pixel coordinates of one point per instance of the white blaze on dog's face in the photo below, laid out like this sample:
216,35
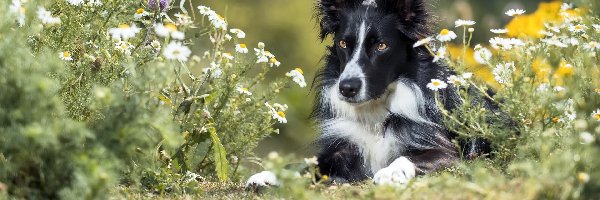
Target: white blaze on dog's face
372,52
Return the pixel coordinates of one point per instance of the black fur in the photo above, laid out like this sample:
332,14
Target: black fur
400,23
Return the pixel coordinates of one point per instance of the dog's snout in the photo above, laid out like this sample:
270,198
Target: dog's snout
350,87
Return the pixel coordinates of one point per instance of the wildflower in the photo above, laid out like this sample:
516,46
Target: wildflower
513,12
215,19
456,80
281,107
177,51
440,54
65,55
591,46
206,11
238,33
17,8
596,115
482,55
94,3
499,31
273,155
243,90
241,48
280,116
227,37
583,177
503,72
461,22
274,62
586,137
297,76
124,31
46,17
596,27
168,30
579,28
75,2
124,47
277,112
228,56
446,35
467,75
436,84
311,161
139,13
564,69
422,42
162,4
262,55
505,43
566,6
155,44
183,19
555,42
543,87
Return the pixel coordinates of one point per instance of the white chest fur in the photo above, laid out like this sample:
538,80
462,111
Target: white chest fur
363,124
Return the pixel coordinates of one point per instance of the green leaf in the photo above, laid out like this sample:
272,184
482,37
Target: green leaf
221,163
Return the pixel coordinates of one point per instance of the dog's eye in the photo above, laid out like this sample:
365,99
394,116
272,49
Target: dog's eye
343,44
382,46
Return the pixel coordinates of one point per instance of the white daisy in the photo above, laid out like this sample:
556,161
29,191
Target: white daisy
596,115
65,55
482,55
263,56
277,113
505,43
238,33
422,42
274,62
579,28
513,12
124,31
503,72
461,22
440,54
183,19
206,11
139,13
75,2
241,48
124,47
46,17
591,46
297,76
436,84
446,35
227,37
228,56
554,42
311,161
168,30
17,8
155,44
596,27
456,80
177,51
281,107
467,75
243,90
499,31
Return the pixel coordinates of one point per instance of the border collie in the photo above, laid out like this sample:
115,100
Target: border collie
377,117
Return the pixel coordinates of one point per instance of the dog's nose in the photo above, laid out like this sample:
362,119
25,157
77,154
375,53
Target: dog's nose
350,87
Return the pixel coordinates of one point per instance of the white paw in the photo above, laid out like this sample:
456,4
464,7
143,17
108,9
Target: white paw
398,173
264,178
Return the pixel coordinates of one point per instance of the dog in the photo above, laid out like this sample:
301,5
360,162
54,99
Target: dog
377,117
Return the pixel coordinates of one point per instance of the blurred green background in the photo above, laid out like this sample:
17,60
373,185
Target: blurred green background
289,30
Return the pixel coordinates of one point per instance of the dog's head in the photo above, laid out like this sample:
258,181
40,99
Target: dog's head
373,42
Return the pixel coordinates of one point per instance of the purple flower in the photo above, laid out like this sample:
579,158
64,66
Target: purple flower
162,3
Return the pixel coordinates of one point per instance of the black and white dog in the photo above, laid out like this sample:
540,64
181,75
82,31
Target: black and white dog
377,117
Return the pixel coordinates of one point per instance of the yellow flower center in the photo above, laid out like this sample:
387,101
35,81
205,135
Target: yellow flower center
123,26
139,11
299,70
245,89
555,119
243,46
273,60
579,27
597,90
444,32
435,83
176,52
281,114
66,54
597,116
171,27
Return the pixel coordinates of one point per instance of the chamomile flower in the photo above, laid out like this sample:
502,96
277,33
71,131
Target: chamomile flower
596,115
169,30
277,113
76,2
227,37
591,46
206,11
183,19
297,76
440,54
238,33
436,84
46,17
274,62
263,56
17,8
467,75
596,27
499,31
155,44
94,3
124,47
65,55
482,55
505,43
422,42
241,48
311,161
579,28
513,12
228,56
124,31
554,42
461,22
177,51
139,13
456,80
503,72
446,35
243,90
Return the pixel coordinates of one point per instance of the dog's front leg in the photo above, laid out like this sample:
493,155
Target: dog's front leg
405,168
342,162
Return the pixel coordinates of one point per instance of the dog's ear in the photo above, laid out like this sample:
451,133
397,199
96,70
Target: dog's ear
328,14
414,17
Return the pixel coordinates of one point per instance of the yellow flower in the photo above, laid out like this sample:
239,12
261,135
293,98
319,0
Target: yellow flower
531,25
